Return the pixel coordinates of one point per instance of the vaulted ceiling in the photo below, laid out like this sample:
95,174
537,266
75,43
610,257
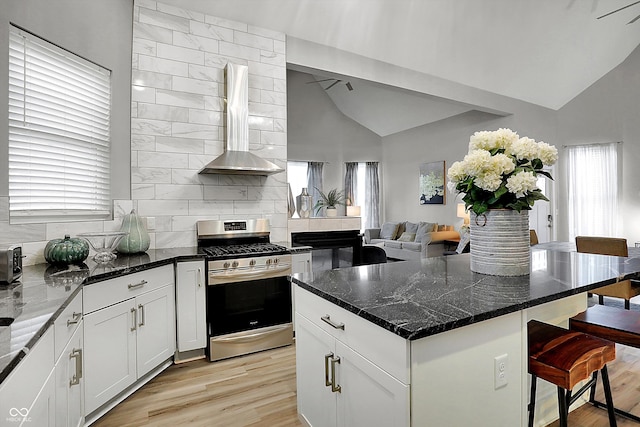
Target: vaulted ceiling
544,51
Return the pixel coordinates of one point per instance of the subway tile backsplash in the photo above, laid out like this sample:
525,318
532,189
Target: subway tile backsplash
177,126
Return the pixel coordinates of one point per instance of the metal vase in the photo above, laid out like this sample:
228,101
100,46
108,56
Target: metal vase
304,203
500,243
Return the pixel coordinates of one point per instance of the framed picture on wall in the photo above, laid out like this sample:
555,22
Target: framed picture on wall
432,183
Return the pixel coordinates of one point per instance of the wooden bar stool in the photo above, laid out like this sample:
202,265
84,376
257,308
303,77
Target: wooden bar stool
615,324
565,358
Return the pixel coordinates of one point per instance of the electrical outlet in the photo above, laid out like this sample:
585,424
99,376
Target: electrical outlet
501,369
151,223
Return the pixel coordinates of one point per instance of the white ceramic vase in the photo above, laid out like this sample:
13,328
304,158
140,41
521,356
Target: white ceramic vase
500,242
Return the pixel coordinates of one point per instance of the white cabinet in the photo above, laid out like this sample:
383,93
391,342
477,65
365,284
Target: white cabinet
69,382
190,305
301,262
27,395
69,352
338,383
125,338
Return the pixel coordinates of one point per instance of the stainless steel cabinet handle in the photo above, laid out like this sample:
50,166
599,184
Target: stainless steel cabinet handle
76,354
134,314
327,319
327,382
137,285
75,320
199,277
141,308
334,387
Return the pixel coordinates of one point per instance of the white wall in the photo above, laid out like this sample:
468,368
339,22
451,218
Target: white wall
608,111
99,30
447,140
318,131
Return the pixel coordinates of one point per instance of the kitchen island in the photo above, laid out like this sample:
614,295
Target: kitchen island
430,343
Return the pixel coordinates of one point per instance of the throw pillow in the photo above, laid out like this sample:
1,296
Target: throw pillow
410,227
407,237
389,230
424,228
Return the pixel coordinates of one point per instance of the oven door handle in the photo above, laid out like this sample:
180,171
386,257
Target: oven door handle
243,275
244,338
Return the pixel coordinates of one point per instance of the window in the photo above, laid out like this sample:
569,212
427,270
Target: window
593,190
59,128
297,176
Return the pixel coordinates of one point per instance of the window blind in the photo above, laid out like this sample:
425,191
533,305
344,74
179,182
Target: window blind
59,129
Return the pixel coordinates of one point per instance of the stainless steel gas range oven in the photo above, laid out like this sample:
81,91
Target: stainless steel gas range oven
248,292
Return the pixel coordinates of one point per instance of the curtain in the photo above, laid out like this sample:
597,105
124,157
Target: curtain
314,181
351,183
593,190
372,196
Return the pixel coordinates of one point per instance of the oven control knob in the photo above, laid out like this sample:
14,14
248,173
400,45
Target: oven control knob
234,264
269,261
226,265
252,262
275,260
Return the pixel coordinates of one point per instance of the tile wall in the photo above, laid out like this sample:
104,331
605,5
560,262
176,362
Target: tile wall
177,122
177,126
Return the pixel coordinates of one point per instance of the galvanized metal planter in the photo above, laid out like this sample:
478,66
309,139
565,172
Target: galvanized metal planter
500,243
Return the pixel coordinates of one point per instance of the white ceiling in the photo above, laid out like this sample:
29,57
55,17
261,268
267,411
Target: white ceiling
541,51
386,110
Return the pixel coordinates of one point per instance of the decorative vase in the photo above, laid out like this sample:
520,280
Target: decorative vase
291,206
331,211
304,203
137,239
500,242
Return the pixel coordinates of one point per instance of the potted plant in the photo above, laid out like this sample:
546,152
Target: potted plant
330,200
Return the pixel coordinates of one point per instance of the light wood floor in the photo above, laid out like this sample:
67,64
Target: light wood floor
260,390
253,390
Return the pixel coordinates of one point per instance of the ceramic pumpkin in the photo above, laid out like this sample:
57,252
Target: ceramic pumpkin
66,251
137,239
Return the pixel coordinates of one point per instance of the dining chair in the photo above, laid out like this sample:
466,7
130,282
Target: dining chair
625,289
533,237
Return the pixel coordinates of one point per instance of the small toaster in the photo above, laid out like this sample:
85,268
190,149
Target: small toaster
10,263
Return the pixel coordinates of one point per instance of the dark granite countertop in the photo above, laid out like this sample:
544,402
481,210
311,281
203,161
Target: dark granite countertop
44,291
416,299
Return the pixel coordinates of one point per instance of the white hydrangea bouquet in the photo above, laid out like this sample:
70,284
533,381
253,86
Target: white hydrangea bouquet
500,171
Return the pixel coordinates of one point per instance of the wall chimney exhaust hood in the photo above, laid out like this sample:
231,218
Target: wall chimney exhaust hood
237,160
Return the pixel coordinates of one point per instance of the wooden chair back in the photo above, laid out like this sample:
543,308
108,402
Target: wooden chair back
602,245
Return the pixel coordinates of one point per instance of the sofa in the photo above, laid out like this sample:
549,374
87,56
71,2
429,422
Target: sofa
410,240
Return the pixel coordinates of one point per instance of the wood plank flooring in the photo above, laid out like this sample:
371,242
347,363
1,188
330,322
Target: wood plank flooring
253,390
260,390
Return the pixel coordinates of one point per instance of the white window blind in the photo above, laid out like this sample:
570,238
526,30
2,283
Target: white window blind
59,128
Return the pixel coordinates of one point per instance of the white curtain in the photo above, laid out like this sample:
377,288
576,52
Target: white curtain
372,196
314,180
593,190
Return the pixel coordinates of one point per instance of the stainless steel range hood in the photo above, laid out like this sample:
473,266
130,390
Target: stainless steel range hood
237,159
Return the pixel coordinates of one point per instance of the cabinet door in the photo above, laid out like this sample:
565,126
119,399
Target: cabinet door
110,350
190,306
70,382
301,263
156,340
316,401
43,410
369,396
